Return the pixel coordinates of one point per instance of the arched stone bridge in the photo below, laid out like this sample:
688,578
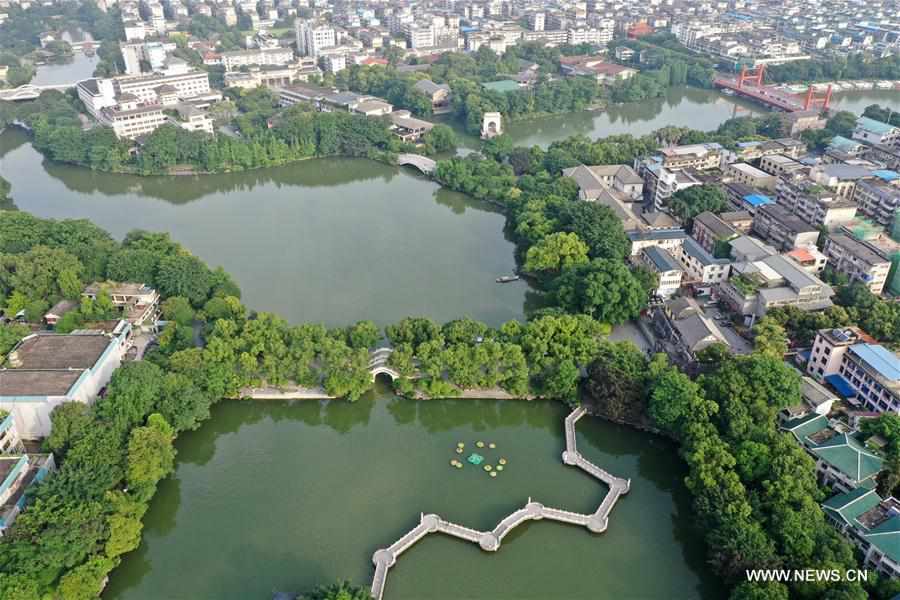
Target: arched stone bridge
378,363
31,92
422,163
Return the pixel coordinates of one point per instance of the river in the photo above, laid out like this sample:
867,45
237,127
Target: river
278,496
80,66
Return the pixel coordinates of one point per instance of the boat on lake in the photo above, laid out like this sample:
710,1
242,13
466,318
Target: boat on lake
507,278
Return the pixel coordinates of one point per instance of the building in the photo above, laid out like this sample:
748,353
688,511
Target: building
842,461
878,198
711,232
313,37
96,94
261,57
139,303
58,311
813,203
865,373
438,93
781,165
129,119
702,269
17,473
751,176
408,128
841,179
185,85
661,183
668,239
809,258
594,180
858,260
783,230
874,132
667,269
688,331
695,156
759,285
869,523
47,369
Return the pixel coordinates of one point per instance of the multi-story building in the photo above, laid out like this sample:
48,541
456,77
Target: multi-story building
314,37
841,179
594,180
829,347
186,85
751,176
858,260
138,303
781,165
668,239
702,269
710,231
96,94
776,225
874,132
813,203
129,119
878,199
17,473
870,523
242,58
758,286
46,369
668,270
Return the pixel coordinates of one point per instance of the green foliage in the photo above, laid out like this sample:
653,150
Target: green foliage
602,288
85,581
689,202
10,335
770,338
556,252
441,139
616,385
70,421
151,456
343,590
178,310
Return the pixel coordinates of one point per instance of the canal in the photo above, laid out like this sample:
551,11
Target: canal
278,496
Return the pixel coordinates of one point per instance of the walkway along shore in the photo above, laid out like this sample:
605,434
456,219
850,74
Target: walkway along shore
489,541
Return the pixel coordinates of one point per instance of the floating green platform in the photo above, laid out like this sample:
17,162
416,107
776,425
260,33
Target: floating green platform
475,459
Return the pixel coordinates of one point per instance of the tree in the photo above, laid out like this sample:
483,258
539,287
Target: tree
343,590
151,455
598,226
770,338
184,275
753,590
364,334
85,582
439,140
70,421
182,403
689,202
616,382
178,309
556,252
604,289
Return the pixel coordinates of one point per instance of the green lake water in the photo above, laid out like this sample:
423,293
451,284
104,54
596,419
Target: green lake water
281,496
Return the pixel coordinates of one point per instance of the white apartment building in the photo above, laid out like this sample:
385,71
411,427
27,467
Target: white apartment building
313,37
187,85
262,57
418,36
130,119
858,260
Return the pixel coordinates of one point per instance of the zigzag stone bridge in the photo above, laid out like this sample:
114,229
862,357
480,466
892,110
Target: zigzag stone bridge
490,541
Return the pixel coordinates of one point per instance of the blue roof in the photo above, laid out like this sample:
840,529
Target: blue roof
757,199
843,386
879,358
886,174
874,126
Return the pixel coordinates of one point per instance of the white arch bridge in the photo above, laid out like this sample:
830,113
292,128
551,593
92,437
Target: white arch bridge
378,363
422,163
30,91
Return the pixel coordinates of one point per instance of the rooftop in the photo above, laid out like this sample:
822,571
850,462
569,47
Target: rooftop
661,259
874,126
879,358
28,382
502,86
58,351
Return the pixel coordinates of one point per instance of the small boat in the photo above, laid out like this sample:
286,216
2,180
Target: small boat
507,278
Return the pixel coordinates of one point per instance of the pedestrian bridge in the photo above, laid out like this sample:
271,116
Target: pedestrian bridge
490,541
422,163
31,92
378,363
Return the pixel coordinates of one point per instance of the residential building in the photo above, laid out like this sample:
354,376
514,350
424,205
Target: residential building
313,37
711,232
46,369
873,132
858,260
17,473
813,203
438,93
702,269
748,249
751,176
828,350
781,165
839,178
668,239
785,231
138,302
878,198
740,220
809,258
258,56
593,180
688,331
757,286
746,198
667,269
661,183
